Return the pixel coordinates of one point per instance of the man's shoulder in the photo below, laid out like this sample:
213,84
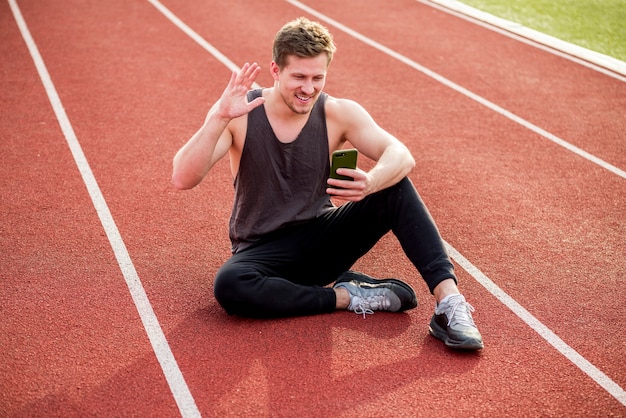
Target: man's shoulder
336,106
344,111
341,102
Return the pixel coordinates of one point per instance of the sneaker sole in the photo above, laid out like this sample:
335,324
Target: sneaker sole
441,334
360,277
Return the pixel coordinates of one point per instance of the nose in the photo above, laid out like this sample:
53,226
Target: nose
307,87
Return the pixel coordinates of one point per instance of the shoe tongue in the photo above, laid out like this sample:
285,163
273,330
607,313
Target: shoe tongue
451,299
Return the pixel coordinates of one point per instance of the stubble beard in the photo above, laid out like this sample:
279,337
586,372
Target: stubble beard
295,109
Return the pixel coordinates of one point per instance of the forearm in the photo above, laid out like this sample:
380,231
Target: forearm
194,160
213,139
394,164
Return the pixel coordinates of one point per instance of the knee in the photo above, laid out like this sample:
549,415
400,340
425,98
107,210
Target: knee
229,288
225,287
405,185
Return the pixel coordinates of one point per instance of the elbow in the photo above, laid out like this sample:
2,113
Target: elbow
182,177
409,164
180,182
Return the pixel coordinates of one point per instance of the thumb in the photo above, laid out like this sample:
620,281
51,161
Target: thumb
256,103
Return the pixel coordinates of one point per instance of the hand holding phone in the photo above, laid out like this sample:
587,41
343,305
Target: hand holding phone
343,158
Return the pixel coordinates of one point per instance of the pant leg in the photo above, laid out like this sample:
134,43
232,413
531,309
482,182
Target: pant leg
418,234
270,279
284,274
400,209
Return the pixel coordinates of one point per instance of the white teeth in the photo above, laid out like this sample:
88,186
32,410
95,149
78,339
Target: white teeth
304,99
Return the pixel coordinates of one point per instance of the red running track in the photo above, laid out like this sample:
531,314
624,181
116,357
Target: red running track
545,225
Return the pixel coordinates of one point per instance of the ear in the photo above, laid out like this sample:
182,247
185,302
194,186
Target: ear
274,70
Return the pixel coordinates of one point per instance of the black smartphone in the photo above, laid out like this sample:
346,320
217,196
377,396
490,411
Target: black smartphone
343,158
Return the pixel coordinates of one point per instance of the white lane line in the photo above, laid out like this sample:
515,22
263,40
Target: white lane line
448,83
173,375
196,37
589,369
602,63
561,346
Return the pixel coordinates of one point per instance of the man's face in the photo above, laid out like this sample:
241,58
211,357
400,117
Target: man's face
300,81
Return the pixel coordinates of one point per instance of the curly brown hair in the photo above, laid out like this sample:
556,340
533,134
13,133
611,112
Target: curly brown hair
302,38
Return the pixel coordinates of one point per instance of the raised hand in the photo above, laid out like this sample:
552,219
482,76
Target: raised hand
233,102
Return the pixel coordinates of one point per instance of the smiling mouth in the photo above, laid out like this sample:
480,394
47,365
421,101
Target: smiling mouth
304,99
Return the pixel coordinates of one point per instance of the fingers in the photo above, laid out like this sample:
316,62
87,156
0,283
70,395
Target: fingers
233,102
232,81
350,190
353,195
247,74
346,189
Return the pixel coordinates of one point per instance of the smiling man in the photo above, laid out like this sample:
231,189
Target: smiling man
289,241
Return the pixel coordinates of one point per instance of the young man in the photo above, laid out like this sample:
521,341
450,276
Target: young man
288,240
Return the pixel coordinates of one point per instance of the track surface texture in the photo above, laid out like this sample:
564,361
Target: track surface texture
536,229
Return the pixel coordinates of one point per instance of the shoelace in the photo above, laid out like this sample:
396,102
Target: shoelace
464,316
362,309
364,305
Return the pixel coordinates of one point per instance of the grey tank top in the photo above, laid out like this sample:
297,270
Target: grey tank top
279,184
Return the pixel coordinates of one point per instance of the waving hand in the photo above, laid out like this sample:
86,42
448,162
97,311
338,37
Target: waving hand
233,102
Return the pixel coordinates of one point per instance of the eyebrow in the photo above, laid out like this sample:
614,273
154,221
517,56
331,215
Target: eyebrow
300,74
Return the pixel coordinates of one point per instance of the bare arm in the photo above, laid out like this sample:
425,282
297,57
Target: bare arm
393,159
213,140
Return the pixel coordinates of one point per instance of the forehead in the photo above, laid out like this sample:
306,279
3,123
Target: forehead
307,65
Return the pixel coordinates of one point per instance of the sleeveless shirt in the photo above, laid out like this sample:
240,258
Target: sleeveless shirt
279,184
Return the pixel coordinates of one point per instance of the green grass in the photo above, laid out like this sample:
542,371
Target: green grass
599,25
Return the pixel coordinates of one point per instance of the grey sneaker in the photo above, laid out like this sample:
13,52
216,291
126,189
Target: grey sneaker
452,323
368,294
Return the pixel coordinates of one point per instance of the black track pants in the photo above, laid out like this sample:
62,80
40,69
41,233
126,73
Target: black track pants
285,273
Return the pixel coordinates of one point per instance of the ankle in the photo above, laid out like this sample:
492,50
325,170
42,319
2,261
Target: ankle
342,298
444,289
